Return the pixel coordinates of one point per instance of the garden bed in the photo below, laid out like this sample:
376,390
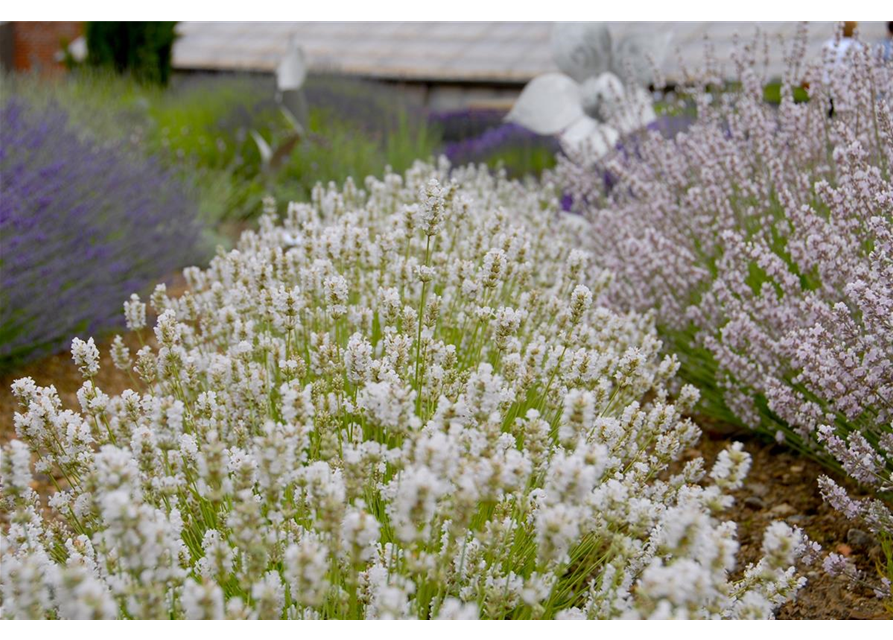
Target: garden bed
651,384
780,485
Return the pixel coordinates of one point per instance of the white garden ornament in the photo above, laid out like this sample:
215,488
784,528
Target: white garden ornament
587,105
290,76
292,69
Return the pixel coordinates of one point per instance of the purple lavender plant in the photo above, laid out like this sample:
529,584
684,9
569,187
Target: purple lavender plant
762,239
81,227
461,124
628,150
519,149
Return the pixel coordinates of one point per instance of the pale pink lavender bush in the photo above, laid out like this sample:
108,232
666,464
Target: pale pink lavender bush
762,239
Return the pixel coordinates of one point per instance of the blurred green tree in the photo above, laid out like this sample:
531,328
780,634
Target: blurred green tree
141,49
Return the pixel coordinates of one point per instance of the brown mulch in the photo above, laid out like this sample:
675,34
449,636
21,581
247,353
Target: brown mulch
60,371
781,486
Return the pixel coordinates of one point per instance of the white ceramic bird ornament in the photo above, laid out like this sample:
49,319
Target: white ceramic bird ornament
292,69
587,105
290,76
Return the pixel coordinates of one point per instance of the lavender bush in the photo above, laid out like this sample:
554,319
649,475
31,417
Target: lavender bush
400,401
762,238
509,145
460,124
81,227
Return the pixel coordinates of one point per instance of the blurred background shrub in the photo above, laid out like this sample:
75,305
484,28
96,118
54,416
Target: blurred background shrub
201,128
506,146
84,224
462,124
142,49
112,180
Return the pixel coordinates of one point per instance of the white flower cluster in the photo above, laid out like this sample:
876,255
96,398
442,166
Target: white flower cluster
398,402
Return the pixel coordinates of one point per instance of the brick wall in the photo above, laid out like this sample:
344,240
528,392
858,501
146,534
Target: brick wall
36,44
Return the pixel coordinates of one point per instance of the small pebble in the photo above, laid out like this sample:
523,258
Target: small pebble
783,509
754,503
858,539
797,468
758,489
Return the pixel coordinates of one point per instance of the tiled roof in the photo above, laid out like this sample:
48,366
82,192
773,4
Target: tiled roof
448,51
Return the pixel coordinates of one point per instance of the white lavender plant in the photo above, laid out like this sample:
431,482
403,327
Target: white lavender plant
401,401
